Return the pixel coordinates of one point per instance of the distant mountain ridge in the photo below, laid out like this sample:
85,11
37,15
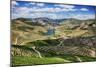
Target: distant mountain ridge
45,21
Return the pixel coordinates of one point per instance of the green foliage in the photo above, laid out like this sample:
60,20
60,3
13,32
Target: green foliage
87,59
49,42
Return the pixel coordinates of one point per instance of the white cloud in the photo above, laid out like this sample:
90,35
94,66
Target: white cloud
26,13
44,9
83,16
57,9
84,9
66,6
48,15
14,3
42,12
40,4
39,12
25,9
32,3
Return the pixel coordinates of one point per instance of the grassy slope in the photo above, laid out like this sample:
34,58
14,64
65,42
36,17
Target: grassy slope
22,60
48,58
19,60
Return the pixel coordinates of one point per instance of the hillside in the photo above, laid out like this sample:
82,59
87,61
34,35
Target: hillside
52,40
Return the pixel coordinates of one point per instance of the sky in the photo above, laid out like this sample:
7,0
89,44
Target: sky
28,9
